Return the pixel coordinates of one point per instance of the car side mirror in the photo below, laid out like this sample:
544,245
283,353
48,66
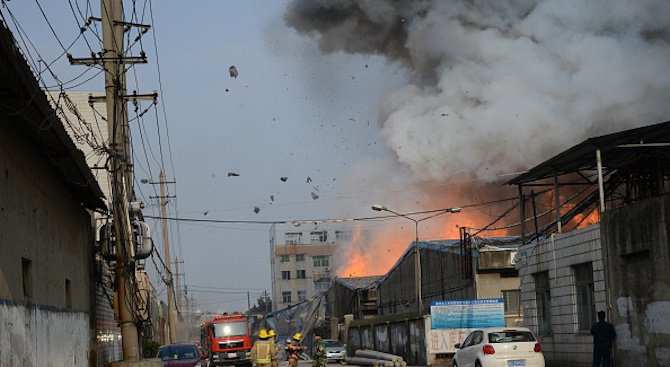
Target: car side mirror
458,346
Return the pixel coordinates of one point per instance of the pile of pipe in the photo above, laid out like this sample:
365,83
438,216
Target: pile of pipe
366,357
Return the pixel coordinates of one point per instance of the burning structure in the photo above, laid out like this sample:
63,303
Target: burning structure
619,265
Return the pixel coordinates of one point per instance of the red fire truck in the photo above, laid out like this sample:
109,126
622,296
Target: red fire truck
227,339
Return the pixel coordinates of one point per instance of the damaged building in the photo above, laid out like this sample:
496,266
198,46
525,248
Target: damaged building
570,269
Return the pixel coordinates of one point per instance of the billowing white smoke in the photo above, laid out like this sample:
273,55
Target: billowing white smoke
500,85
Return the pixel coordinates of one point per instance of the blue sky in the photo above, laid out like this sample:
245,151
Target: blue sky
291,112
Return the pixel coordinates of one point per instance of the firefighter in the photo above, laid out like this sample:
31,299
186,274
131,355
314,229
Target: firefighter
263,352
293,350
273,337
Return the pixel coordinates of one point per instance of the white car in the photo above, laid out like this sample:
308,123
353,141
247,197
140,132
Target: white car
499,347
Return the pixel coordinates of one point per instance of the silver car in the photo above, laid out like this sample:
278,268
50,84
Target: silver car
334,350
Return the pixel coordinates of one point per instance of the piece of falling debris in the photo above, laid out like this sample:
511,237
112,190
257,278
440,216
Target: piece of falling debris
233,174
445,114
206,212
272,198
402,20
314,196
333,178
257,209
352,119
227,90
316,188
233,71
366,66
308,180
283,178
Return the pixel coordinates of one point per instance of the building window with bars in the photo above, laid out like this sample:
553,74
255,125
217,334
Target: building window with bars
286,297
302,295
321,261
318,236
286,275
300,257
343,235
512,300
543,302
301,274
284,258
585,300
293,238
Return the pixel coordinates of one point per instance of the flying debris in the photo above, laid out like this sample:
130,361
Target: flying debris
233,174
233,71
257,209
283,178
308,180
272,198
227,90
314,195
445,114
352,119
206,212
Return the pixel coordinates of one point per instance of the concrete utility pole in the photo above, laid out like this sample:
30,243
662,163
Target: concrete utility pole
172,311
179,295
117,125
113,61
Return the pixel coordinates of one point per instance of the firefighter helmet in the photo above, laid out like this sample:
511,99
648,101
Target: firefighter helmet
272,333
263,334
297,337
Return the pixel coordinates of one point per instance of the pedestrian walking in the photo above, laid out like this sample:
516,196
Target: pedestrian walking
603,337
318,351
263,352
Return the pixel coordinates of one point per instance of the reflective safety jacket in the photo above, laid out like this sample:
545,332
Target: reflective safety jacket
263,352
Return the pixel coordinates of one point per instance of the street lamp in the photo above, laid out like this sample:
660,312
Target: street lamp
417,252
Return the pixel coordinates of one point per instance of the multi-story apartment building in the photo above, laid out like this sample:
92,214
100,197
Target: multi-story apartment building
302,259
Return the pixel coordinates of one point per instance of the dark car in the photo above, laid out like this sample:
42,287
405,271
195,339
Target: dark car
182,355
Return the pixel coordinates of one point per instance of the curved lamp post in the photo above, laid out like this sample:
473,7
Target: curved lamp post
417,252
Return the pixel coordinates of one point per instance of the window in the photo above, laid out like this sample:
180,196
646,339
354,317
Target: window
318,236
322,285
284,259
543,302
468,340
293,238
286,297
512,302
68,293
302,295
26,271
300,274
586,306
321,261
300,257
286,275
343,235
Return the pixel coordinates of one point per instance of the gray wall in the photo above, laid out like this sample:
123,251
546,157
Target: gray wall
441,279
638,256
565,345
404,336
41,221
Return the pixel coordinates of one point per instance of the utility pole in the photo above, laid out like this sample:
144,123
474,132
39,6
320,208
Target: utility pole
113,61
172,312
179,294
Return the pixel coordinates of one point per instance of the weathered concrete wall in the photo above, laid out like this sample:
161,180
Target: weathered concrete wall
46,241
565,345
42,336
638,256
402,336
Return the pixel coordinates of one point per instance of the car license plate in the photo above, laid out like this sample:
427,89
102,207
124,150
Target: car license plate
516,363
234,355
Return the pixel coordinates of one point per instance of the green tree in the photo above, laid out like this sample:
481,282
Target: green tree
263,305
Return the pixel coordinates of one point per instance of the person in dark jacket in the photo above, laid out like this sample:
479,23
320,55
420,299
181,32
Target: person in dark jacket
603,337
